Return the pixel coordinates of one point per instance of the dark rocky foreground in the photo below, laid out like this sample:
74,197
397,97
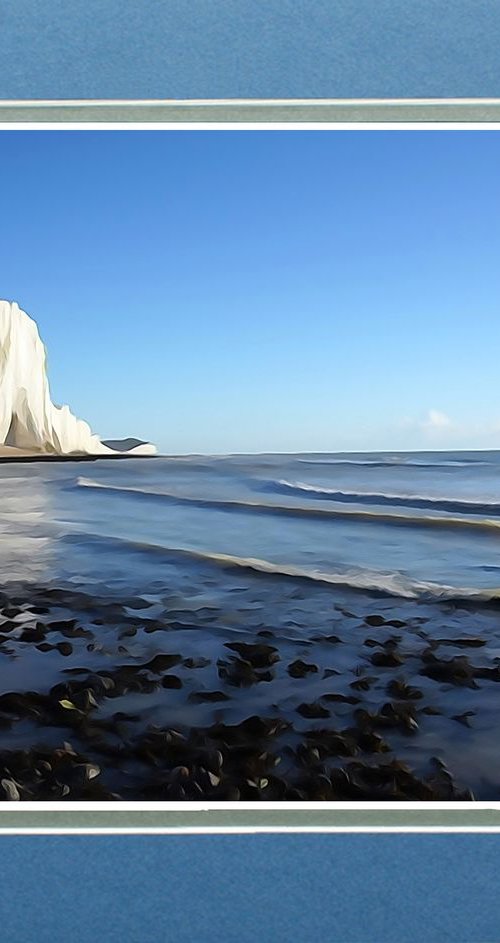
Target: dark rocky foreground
313,698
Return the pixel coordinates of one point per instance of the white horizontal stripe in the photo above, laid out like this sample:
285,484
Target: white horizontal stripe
255,830
241,806
238,102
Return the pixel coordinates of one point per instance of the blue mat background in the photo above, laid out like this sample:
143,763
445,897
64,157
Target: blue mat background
249,48
243,888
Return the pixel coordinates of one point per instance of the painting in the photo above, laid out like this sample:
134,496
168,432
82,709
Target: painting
249,466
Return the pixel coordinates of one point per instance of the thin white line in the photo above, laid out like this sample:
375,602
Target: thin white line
188,807
359,126
254,830
238,102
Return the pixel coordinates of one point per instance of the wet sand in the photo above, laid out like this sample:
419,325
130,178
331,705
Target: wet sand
259,691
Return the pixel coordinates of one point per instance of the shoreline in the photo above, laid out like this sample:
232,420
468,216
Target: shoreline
23,458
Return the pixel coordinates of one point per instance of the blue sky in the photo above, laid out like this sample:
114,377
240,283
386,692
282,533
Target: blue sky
219,291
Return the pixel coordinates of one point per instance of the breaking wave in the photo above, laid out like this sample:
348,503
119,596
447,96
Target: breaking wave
390,463
457,505
371,581
404,520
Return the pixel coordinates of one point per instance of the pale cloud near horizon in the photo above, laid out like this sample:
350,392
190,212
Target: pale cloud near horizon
437,427
437,420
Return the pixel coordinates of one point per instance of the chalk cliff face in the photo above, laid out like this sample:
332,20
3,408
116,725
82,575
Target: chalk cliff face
28,418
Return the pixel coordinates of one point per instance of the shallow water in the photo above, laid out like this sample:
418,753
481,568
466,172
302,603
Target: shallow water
411,524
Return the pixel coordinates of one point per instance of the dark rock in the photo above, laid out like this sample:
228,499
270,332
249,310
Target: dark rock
84,700
363,684
199,696
137,603
464,718
371,742
490,674
28,704
240,673
455,671
399,689
171,681
62,625
258,654
261,727
196,662
397,715
329,639
386,659
102,683
461,642
161,663
313,710
341,698
333,742
129,632
299,669
65,648
33,634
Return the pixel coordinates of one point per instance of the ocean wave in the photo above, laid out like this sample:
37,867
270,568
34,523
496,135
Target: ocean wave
457,505
371,581
391,463
403,520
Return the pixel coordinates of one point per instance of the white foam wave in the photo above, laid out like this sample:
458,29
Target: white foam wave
377,517
390,463
390,584
384,497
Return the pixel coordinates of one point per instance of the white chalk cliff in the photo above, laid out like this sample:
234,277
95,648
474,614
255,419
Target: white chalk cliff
29,420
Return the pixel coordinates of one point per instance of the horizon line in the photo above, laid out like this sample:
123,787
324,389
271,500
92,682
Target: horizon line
324,452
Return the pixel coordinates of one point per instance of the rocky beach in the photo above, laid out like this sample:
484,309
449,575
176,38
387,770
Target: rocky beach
293,695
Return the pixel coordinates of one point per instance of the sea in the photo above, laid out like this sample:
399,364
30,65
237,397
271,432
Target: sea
190,554
409,525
